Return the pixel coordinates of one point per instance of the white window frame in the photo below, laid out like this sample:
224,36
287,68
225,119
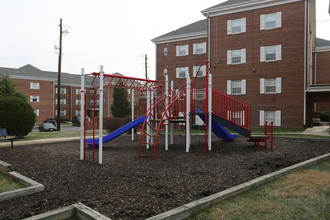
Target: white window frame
202,71
91,102
78,101
62,112
77,112
34,85
97,102
165,72
36,111
230,57
199,94
179,70
230,87
91,92
182,50
78,91
278,21
231,25
36,97
63,90
62,101
278,86
165,51
278,53
199,48
276,122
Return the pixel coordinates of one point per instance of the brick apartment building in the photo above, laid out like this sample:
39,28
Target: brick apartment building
41,89
263,52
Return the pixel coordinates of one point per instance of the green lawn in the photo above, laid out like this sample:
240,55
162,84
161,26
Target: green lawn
8,184
304,194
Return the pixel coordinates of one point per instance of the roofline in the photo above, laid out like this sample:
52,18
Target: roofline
318,88
181,37
245,6
31,77
322,49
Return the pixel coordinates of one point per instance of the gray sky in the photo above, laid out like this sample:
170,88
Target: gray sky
112,33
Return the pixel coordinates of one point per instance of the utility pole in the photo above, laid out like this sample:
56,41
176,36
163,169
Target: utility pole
59,81
146,65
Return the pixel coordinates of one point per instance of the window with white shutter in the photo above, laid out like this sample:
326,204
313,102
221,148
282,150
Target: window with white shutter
36,111
34,98
236,87
201,73
182,50
165,51
199,48
270,116
78,92
181,72
236,26
270,53
236,56
34,85
270,86
271,21
78,101
165,72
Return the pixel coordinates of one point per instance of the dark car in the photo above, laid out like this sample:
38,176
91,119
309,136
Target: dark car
51,120
76,121
47,127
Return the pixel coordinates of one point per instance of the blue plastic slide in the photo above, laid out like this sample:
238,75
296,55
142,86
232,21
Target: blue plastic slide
117,132
218,129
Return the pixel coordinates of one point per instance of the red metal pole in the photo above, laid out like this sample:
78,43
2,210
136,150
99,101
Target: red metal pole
266,133
271,136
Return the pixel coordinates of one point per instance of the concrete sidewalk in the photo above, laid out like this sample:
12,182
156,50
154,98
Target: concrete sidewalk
40,141
318,130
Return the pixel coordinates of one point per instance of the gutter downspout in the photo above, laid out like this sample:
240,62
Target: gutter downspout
305,61
208,37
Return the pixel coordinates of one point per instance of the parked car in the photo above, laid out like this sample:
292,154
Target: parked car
51,120
47,127
76,121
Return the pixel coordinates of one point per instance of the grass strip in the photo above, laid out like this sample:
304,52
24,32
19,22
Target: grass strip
304,194
8,184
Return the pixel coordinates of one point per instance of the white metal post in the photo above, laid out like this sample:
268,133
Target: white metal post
82,113
148,119
101,116
166,119
210,112
188,114
132,100
172,125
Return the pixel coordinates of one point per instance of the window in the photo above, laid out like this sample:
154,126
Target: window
236,56
182,72
36,111
270,21
91,102
62,101
63,90
182,50
91,92
270,116
78,91
270,86
202,71
236,26
199,95
62,112
34,98
97,102
199,48
78,101
165,51
270,53
34,85
77,113
165,72
236,87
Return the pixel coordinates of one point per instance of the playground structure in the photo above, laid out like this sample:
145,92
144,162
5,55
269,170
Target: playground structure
165,106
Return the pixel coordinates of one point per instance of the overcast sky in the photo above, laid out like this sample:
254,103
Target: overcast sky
113,33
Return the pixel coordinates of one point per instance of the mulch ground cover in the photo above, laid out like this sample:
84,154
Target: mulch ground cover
126,187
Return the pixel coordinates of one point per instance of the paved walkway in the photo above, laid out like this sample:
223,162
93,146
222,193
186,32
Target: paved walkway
318,130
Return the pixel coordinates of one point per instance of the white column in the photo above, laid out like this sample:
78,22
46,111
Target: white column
188,140
82,113
166,119
172,125
101,116
132,101
148,119
210,112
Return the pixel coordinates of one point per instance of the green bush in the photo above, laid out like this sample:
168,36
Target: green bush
17,116
324,116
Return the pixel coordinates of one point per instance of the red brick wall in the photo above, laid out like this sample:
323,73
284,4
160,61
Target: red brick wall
45,93
290,68
322,71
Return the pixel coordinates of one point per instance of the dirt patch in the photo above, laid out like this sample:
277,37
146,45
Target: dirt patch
126,187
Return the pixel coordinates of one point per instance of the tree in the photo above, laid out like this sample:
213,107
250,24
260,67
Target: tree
120,107
7,88
16,115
